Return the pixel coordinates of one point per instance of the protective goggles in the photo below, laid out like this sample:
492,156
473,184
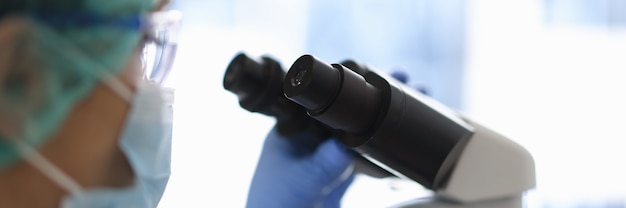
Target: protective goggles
160,30
161,41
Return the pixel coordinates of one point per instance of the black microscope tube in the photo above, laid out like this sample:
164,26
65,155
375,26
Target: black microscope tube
333,94
258,85
395,127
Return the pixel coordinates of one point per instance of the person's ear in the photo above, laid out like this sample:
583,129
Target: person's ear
8,32
14,77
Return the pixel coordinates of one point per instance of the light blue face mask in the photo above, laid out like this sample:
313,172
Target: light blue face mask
146,142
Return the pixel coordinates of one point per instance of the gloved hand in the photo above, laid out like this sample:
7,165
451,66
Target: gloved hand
292,174
289,174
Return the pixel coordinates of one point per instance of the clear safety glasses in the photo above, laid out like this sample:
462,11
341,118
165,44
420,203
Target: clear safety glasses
161,31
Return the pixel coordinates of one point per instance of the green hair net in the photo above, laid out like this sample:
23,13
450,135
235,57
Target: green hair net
46,69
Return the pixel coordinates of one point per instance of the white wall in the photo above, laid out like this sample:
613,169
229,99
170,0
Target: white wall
216,143
560,91
557,91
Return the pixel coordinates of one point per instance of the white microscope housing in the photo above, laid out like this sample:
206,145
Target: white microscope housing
492,172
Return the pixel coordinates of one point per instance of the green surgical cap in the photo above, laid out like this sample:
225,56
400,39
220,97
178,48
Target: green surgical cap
48,68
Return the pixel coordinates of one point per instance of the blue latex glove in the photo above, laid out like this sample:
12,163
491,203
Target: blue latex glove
290,174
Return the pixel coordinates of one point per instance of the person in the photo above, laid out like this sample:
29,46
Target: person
84,121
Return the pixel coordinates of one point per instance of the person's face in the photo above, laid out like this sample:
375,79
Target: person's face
85,146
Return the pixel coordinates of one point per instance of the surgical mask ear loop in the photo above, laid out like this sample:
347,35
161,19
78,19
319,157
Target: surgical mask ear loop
115,84
33,157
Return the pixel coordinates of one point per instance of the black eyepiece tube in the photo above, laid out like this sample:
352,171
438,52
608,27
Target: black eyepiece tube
312,83
333,94
393,126
258,85
243,75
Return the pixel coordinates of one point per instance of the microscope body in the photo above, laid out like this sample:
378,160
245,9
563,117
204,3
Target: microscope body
491,172
409,135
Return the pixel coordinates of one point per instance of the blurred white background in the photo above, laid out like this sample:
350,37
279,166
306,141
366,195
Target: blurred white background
547,73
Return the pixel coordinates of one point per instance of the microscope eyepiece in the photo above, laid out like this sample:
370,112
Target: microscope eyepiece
311,83
411,135
333,94
258,85
297,80
244,76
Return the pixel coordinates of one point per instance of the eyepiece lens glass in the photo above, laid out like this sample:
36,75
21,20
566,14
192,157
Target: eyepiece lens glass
297,80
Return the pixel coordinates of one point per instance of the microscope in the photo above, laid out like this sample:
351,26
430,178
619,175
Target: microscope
396,131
